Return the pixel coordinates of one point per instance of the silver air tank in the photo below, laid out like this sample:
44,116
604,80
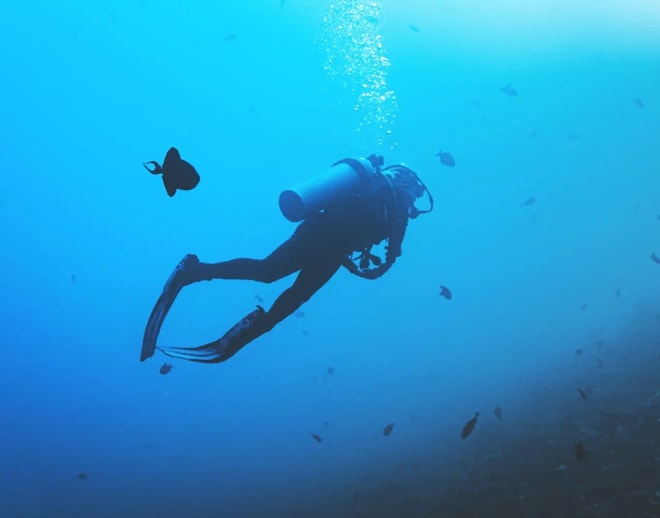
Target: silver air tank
316,193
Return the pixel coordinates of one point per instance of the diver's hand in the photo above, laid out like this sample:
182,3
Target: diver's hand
368,273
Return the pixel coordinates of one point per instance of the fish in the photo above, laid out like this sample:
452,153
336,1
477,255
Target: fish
231,37
259,298
166,368
446,158
578,352
580,452
282,2
177,173
655,258
73,278
509,90
583,307
82,476
528,202
388,429
638,102
299,314
582,394
330,370
445,292
469,426
618,292
498,412
413,28
317,438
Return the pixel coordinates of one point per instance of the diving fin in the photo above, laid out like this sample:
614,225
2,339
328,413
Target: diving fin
242,333
172,287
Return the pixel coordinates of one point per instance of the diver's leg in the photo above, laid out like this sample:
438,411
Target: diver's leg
310,279
284,260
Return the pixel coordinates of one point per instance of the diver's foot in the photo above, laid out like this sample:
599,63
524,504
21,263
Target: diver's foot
183,274
247,329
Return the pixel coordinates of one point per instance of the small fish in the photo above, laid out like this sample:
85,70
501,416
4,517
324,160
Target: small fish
618,292
317,438
469,426
282,2
231,37
578,352
498,412
580,452
82,476
413,28
509,90
600,343
528,202
299,314
330,370
73,278
655,258
446,158
388,429
582,394
259,298
583,307
533,133
599,363
638,102
572,136
445,292
177,173
166,368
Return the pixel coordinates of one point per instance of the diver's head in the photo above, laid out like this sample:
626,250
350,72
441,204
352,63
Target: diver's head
408,187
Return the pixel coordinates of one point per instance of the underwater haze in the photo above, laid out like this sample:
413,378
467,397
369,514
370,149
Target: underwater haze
528,298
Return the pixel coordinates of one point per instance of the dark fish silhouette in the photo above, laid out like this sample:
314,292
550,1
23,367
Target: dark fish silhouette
469,426
317,438
282,2
578,352
446,158
582,394
583,307
509,90
177,173
259,298
655,258
231,37
413,28
82,476
330,370
639,102
580,452
498,412
618,292
528,202
166,368
445,292
73,278
388,429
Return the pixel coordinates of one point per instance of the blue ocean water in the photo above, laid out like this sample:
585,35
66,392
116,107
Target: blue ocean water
556,103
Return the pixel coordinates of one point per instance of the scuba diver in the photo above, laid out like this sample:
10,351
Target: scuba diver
353,206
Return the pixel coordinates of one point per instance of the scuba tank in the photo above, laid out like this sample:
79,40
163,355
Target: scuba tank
318,192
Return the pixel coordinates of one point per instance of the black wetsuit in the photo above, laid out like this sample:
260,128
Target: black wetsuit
320,245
